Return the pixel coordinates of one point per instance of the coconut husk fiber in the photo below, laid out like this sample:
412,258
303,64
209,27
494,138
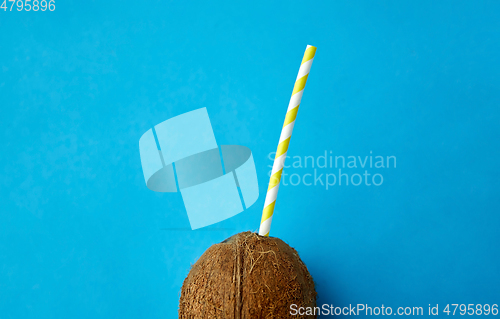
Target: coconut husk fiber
247,276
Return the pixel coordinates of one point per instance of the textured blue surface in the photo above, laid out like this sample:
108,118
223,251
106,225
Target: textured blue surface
82,237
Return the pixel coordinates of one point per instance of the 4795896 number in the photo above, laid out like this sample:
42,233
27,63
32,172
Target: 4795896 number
471,309
28,5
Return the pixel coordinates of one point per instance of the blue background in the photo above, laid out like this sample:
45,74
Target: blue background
82,237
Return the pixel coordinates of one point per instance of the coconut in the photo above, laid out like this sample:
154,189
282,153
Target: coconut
247,276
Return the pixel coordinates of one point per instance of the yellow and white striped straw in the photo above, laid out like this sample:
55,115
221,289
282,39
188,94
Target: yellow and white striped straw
286,134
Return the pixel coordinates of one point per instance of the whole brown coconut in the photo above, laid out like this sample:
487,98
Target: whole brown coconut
247,276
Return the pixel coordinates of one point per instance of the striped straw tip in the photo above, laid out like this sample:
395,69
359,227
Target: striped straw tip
308,55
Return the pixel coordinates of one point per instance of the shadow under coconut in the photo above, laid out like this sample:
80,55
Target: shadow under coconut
328,292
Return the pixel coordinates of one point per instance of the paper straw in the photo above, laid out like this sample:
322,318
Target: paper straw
286,134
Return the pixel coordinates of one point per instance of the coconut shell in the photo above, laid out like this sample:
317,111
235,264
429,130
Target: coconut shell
247,276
